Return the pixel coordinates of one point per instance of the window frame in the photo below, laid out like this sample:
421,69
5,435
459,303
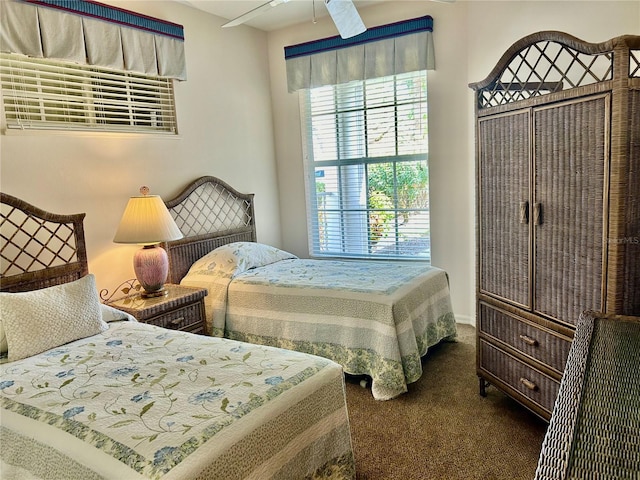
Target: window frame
315,198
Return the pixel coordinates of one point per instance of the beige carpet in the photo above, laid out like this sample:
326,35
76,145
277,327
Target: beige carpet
442,428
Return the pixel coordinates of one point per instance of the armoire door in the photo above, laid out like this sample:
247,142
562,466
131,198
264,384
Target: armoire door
503,206
571,172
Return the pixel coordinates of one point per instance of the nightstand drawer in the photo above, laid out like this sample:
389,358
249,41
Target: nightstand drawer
542,345
518,376
182,308
188,319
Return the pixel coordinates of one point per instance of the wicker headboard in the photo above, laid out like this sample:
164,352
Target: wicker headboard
39,249
209,213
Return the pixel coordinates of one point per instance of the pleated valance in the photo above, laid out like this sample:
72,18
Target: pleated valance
395,48
92,33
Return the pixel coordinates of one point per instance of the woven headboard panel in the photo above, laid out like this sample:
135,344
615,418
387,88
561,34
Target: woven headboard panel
209,213
39,249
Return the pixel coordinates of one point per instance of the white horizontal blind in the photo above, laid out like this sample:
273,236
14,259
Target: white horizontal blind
44,94
367,180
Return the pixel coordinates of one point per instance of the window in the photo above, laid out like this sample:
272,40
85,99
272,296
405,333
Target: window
45,94
367,179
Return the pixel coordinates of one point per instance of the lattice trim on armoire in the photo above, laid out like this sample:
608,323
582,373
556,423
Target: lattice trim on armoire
549,62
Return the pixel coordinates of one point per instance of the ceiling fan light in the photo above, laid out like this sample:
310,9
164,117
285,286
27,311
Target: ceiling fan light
346,17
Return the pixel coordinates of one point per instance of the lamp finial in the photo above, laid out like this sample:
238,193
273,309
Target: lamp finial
144,190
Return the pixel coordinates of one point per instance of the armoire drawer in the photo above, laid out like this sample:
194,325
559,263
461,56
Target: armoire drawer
526,380
543,345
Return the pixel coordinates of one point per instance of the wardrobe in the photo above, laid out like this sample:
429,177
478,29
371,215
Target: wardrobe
558,204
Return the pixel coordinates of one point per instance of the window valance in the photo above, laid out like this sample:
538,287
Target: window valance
395,48
92,33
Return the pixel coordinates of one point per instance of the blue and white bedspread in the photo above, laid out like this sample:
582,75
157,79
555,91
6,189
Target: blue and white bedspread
374,318
138,401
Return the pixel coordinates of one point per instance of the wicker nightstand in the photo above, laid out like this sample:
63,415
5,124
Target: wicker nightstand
181,309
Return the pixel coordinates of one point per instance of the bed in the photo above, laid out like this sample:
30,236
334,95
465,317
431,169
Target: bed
87,392
376,319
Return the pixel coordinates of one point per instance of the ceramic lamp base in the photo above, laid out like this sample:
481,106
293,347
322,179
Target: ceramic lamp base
158,293
151,265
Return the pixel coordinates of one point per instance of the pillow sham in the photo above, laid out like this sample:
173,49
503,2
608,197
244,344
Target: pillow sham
234,258
40,320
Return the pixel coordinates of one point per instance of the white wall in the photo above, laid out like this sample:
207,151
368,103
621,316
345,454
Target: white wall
238,122
226,130
470,37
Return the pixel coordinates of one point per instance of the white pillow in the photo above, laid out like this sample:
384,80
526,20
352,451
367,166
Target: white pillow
235,258
43,319
3,340
110,314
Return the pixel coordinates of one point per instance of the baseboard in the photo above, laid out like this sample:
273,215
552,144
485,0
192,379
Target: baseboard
465,319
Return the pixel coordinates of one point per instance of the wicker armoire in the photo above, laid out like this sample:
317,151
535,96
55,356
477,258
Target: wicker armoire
558,204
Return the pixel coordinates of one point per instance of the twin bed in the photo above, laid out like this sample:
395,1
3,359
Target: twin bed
374,318
86,392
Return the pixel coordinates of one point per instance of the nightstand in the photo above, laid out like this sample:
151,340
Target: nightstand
182,308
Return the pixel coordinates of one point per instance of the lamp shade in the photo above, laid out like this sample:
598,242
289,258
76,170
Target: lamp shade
146,221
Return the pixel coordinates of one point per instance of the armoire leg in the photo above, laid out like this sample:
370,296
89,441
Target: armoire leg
483,387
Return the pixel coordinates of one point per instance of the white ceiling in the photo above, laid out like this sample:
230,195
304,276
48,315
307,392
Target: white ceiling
280,16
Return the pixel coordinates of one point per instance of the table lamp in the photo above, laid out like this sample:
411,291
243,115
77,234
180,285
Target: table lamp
147,222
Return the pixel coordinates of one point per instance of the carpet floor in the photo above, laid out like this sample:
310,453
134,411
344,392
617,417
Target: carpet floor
442,428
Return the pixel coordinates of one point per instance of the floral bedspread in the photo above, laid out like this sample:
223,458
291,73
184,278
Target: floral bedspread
148,399
374,318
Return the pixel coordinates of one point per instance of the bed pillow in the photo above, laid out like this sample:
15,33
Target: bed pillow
3,340
235,258
110,314
40,320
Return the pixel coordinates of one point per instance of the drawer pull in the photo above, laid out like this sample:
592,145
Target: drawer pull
529,384
177,321
528,340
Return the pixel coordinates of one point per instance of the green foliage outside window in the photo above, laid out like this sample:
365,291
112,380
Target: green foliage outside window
405,183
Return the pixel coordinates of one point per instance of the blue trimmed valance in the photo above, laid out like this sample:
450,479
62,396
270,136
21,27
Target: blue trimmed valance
117,15
385,50
374,34
88,32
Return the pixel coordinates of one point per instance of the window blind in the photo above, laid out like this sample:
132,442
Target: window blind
366,168
47,94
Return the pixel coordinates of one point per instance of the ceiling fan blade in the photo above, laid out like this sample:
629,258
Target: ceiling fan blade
245,17
346,17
